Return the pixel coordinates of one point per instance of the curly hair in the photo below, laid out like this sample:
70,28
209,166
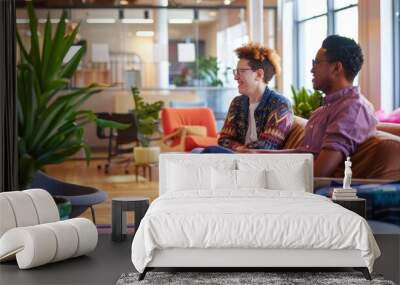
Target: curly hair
260,57
346,51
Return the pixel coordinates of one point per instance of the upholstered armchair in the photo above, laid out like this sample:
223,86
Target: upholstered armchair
31,231
187,128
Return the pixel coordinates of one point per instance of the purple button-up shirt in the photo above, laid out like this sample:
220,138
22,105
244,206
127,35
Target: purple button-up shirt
345,120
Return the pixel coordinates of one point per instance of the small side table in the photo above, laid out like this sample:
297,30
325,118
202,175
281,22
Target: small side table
358,205
120,205
145,168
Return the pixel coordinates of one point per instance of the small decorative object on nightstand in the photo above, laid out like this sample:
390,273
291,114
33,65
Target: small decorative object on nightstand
346,192
357,205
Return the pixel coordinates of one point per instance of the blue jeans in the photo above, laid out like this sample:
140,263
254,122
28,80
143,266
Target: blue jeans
212,149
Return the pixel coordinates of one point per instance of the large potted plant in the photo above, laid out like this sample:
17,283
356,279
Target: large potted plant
50,120
147,117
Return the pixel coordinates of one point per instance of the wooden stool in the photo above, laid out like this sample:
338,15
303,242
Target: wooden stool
145,168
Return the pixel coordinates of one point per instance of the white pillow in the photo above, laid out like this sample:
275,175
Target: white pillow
293,180
188,177
251,178
227,179
223,179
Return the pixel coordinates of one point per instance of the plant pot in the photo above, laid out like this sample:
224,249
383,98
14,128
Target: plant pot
146,154
64,207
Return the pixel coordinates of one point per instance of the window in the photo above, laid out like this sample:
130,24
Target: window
396,38
233,36
312,34
314,23
346,23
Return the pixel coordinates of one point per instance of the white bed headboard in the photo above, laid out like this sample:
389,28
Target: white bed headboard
295,169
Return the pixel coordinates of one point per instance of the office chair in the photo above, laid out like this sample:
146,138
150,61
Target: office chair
119,141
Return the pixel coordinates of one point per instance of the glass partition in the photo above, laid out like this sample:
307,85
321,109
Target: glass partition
125,46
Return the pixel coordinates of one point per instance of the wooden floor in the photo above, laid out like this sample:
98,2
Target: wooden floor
116,184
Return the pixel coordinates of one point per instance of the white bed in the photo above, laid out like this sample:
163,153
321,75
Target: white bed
219,210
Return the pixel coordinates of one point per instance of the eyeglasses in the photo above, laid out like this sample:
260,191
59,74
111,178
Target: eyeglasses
240,71
316,61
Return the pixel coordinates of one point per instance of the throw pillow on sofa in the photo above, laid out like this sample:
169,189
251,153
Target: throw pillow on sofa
200,131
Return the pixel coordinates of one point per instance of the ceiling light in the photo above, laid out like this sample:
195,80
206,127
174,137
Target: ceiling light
137,21
227,2
100,21
53,21
144,33
180,21
41,21
124,2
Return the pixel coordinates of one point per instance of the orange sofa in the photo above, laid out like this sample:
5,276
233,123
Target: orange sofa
188,128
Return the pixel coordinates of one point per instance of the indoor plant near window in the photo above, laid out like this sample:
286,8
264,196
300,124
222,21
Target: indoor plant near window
50,121
206,70
147,117
306,101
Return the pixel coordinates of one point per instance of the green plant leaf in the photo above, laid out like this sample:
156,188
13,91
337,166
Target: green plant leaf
35,49
72,65
24,53
47,46
56,56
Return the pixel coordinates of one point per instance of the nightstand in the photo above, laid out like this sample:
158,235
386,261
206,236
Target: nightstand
356,205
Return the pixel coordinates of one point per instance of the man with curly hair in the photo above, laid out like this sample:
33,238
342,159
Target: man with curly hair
259,118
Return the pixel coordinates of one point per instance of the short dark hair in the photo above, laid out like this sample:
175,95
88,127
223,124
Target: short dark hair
346,51
260,57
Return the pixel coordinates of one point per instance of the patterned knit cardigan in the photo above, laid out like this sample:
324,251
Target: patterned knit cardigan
273,115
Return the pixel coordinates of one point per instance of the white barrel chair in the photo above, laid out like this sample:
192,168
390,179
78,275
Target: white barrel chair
32,233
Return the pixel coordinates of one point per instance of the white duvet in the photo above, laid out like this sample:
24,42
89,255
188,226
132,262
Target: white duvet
250,219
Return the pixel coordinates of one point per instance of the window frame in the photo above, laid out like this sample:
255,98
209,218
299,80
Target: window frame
331,27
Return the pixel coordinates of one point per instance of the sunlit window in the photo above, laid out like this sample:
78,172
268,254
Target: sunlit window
346,23
314,23
308,9
312,34
338,4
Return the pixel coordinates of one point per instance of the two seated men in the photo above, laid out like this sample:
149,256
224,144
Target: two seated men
260,119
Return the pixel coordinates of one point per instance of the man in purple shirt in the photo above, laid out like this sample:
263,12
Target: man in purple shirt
346,118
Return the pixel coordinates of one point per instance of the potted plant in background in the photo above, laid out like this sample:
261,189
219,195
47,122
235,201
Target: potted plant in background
147,117
50,121
205,70
306,101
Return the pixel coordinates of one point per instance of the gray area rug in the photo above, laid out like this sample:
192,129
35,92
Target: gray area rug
228,278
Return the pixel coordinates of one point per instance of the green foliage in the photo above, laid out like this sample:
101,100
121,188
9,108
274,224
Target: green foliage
147,116
50,127
306,101
180,80
206,68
